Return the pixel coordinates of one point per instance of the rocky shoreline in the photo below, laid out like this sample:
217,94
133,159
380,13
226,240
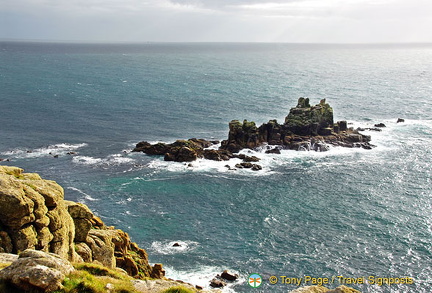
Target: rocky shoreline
306,128
48,244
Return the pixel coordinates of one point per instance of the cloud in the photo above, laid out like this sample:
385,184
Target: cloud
218,20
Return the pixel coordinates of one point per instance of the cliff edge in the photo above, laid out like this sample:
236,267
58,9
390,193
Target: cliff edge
34,215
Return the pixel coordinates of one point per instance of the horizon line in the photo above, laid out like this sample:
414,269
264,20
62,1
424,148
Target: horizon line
106,42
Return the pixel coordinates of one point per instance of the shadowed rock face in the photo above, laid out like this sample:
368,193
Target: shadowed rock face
34,215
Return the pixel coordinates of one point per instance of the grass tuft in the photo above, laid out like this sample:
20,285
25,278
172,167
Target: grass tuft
178,289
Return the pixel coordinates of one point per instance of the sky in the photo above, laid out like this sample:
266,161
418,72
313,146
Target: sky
293,21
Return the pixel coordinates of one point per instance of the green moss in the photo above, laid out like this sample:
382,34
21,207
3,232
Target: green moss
96,281
178,289
98,270
249,126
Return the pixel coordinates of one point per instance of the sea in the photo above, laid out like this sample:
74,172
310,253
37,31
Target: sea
362,218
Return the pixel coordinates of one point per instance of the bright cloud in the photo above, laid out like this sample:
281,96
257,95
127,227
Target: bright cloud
218,20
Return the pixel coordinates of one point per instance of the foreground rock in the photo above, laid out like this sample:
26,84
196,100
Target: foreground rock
37,270
220,281
34,215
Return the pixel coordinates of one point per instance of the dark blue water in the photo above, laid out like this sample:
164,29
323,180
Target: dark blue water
355,213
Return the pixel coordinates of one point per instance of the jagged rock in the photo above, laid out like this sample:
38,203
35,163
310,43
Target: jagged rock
256,167
179,151
307,120
248,159
217,283
100,243
342,125
217,155
229,276
84,251
240,136
37,270
97,223
81,216
273,151
380,125
158,272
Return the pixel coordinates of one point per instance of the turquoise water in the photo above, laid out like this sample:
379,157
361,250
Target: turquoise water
350,212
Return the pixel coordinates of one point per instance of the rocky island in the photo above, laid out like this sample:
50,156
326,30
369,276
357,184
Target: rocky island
306,128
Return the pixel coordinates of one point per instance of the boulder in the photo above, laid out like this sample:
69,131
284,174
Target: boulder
100,243
81,216
241,135
229,276
37,270
342,125
158,272
400,120
380,125
273,151
217,283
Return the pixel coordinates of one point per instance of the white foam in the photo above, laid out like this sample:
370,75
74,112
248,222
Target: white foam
169,248
390,138
51,150
202,276
116,159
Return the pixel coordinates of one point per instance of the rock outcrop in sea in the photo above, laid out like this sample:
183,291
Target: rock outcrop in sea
306,127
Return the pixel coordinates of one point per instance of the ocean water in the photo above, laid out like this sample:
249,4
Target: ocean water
347,212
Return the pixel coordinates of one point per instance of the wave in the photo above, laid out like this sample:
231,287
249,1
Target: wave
173,247
48,151
111,160
86,195
390,138
202,277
